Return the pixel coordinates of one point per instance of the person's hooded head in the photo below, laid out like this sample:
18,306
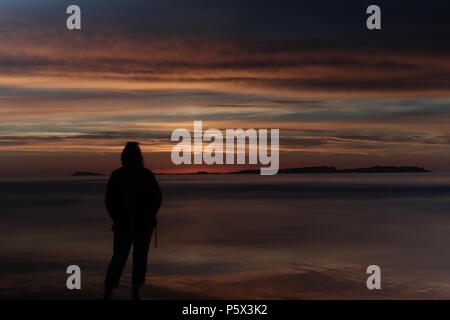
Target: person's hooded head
132,155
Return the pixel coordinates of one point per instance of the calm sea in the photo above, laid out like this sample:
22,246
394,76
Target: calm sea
238,236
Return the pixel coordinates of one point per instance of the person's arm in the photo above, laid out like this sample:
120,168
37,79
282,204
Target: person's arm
111,197
155,193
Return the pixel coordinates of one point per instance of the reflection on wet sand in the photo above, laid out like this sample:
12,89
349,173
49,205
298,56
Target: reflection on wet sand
246,237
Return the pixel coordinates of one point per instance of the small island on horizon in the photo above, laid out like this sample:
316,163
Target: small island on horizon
86,174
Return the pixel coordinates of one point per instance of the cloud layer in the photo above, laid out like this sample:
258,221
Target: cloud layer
139,70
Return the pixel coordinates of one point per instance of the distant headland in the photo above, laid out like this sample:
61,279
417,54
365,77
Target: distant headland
325,169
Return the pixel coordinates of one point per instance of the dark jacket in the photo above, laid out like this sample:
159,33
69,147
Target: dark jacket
133,198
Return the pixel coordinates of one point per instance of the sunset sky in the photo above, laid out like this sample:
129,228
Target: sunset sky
340,94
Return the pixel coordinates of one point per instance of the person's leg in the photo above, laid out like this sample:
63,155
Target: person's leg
122,246
140,253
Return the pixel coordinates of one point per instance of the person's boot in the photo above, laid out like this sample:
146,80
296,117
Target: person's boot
108,293
135,294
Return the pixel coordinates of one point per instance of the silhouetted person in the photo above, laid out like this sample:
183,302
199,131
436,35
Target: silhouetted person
133,198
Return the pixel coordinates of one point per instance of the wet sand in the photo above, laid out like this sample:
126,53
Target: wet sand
238,237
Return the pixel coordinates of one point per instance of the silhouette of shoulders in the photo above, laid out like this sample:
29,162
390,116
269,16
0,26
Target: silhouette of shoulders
129,170
133,196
